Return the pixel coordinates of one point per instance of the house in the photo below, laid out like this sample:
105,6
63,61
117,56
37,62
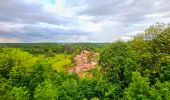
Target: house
82,62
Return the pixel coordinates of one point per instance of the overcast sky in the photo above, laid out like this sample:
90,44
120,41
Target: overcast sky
78,20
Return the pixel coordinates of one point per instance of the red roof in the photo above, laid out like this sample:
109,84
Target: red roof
82,63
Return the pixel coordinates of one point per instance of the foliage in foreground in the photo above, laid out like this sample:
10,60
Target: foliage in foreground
134,70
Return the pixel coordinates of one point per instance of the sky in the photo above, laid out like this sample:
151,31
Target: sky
32,21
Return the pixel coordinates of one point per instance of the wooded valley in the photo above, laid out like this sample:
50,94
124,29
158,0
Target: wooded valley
124,70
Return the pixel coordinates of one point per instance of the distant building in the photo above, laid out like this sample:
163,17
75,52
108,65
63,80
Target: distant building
82,62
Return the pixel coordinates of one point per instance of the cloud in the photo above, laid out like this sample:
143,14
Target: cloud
78,21
119,17
18,11
29,33
8,40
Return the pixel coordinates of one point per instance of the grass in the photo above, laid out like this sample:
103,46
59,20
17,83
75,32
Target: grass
60,62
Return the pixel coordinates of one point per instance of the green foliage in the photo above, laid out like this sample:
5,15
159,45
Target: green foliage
160,91
152,54
69,90
18,93
45,91
138,89
50,49
147,53
60,62
134,70
15,60
118,62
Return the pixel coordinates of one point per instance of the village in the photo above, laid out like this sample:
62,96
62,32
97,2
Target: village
85,61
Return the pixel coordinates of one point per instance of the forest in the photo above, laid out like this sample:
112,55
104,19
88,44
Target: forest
138,69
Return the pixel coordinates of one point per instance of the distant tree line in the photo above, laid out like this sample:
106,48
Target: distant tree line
50,49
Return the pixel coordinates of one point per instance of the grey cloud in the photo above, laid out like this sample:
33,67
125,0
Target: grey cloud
125,11
21,20
30,33
18,11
